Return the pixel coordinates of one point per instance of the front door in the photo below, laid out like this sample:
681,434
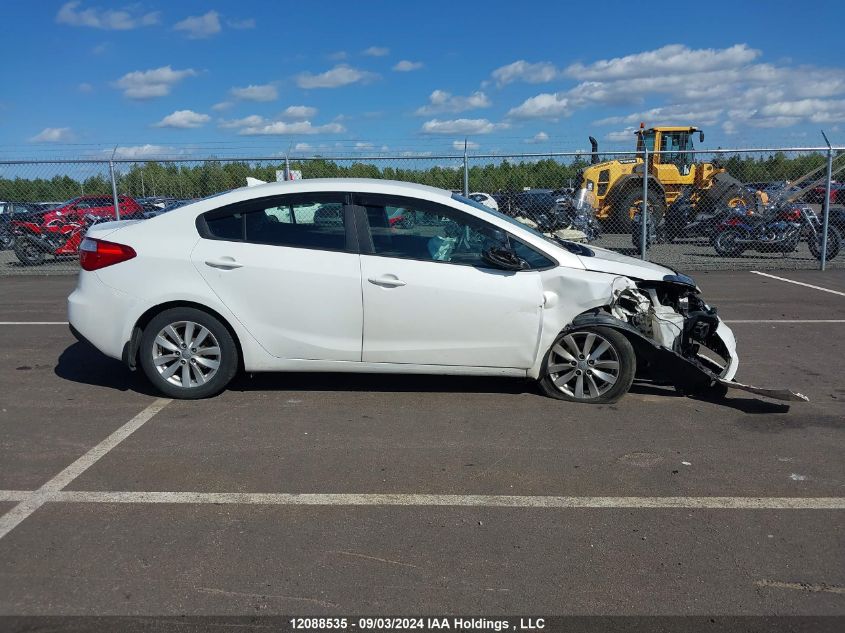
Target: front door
429,299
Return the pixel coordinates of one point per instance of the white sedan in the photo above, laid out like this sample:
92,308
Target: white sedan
311,275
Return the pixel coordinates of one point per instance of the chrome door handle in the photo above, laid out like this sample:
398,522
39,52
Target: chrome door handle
224,263
389,281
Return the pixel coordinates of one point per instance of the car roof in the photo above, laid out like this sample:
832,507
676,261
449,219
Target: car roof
342,184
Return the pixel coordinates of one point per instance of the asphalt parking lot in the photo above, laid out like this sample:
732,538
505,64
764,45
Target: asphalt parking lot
314,493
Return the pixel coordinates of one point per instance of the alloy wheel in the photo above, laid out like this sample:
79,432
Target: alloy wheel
186,354
583,365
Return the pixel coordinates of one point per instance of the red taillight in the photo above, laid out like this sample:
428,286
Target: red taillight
96,254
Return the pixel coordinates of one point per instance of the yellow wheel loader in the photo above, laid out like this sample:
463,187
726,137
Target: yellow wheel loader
615,188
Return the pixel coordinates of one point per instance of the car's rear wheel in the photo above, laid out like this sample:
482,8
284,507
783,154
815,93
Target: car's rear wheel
187,353
594,365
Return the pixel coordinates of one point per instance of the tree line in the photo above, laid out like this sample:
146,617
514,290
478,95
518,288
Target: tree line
203,178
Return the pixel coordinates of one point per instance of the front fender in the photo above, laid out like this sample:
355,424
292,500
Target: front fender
661,363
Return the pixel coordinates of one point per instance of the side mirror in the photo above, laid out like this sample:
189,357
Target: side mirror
701,136
502,257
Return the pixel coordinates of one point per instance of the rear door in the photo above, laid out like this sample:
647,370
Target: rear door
429,299
287,268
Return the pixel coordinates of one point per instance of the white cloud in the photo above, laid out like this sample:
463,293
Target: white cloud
99,49
362,145
246,23
405,66
337,56
52,135
376,51
297,127
442,101
145,151
671,59
539,137
299,112
85,87
340,75
258,92
815,110
461,126
183,119
543,106
303,147
221,106
541,72
726,87
668,115
200,26
253,120
147,84
621,136
107,19
471,145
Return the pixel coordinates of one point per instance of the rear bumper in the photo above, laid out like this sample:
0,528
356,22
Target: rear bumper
97,315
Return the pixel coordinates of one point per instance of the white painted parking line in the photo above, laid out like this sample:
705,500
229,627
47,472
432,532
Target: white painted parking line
39,497
33,323
786,321
469,501
14,495
799,283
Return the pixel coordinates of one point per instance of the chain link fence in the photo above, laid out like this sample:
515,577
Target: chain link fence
723,209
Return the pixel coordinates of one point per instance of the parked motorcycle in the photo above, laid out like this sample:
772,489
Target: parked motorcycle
34,241
682,221
579,219
778,229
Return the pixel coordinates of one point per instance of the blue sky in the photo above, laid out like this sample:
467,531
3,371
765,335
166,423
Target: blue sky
260,77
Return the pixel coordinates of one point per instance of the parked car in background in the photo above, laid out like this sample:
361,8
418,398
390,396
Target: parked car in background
534,201
486,199
156,210
243,280
816,194
155,203
505,201
97,206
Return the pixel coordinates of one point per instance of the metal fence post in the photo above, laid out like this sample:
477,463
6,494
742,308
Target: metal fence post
644,212
466,170
114,185
826,212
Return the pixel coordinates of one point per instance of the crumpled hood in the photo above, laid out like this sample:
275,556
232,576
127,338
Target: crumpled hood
607,261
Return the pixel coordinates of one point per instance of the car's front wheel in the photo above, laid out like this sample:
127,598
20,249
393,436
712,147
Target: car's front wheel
592,364
187,353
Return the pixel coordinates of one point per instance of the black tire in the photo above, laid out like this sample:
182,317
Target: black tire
621,220
7,240
619,348
834,243
725,243
29,252
226,358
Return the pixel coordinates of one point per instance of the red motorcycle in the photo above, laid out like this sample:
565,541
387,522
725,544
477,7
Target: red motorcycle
34,240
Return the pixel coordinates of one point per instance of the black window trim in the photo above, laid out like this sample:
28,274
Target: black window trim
366,242
257,204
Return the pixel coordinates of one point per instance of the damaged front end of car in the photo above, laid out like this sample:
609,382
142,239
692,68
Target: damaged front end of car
677,337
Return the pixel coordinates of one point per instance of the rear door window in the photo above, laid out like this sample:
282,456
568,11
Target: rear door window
303,221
